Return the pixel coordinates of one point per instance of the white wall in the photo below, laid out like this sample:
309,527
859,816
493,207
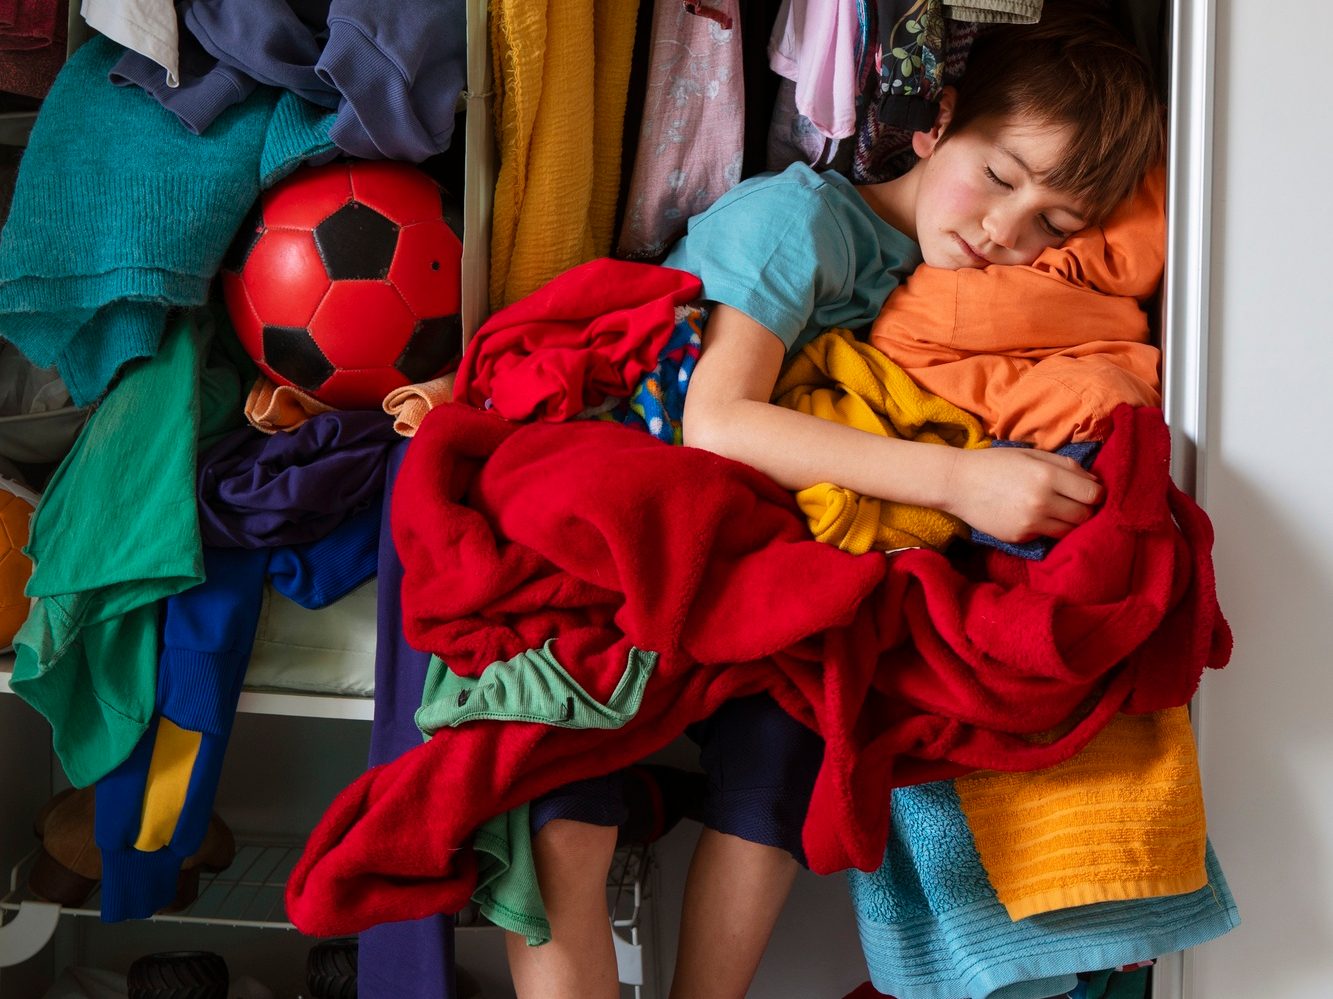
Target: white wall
1267,720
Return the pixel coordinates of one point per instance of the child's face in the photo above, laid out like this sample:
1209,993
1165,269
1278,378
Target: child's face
981,199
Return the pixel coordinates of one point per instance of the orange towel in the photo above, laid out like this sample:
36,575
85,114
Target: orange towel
409,405
1041,353
271,407
1123,819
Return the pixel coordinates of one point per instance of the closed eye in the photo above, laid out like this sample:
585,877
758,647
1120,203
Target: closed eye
996,180
1055,231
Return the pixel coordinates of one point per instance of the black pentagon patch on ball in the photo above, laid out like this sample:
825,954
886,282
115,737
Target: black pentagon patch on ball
245,239
290,352
433,344
452,213
356,243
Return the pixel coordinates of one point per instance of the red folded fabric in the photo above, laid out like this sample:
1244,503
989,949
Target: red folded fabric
590,334
911,669
27,24
30,72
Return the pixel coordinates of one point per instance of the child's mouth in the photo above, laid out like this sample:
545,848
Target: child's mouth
967,248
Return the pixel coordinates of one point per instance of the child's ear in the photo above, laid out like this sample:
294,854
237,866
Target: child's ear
924,143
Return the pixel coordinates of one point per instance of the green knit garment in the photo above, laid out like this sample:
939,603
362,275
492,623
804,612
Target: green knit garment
120,213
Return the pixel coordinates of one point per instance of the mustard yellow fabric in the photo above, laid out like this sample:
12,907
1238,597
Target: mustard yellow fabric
561,78
174,752
1123,819
835,377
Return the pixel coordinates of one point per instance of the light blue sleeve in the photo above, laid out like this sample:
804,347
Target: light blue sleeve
768,248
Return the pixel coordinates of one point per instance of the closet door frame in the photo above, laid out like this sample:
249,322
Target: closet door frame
1185,300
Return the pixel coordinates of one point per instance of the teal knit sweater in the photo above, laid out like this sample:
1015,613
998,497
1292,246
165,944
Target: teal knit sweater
119,213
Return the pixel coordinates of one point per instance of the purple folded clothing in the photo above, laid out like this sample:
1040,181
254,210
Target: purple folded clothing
257,491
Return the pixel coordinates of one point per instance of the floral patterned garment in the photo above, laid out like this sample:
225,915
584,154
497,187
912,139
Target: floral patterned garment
657,403
921,51
691,140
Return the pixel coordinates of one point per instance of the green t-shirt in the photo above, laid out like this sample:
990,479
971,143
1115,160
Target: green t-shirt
117,530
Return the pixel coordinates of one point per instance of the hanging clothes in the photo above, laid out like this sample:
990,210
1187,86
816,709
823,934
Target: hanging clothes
902,94
818,45
691,139
401,959
559,136
995,11
86,657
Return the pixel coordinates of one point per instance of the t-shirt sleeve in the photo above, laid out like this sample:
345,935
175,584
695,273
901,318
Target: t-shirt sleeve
767,251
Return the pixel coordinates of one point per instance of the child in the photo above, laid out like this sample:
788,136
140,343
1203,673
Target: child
1052,126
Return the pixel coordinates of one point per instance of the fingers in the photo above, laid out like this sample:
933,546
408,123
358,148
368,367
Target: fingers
1072,479
1059,518
1086,492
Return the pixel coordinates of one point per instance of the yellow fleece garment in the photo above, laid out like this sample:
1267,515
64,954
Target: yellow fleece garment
1123,819
562,79
838,378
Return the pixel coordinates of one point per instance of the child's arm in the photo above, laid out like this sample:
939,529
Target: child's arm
1011,493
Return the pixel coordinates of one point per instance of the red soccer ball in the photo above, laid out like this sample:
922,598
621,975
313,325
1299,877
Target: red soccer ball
344,281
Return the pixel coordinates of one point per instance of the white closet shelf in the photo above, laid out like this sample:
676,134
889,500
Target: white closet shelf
266,702
300,705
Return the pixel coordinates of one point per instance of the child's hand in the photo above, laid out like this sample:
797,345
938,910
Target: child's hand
1016,494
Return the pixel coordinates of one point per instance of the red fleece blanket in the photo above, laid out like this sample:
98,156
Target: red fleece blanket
587,335
910,668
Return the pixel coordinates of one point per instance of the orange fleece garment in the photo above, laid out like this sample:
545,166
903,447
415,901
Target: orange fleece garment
1041,353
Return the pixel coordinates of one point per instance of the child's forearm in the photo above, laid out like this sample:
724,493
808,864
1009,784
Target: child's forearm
1011,493
799,450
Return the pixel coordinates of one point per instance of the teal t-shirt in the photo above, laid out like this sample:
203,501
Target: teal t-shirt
798,251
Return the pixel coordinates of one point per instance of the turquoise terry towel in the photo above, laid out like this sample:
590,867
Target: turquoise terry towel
932,928
119,213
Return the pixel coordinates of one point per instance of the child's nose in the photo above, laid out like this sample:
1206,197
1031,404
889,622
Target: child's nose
1002,228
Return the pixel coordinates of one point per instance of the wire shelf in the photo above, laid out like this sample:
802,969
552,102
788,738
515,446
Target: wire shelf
249,893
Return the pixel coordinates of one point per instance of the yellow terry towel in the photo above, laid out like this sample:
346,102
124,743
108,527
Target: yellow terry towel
1123,819
562,76
837,378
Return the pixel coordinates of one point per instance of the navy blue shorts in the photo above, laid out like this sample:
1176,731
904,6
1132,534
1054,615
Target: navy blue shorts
760,765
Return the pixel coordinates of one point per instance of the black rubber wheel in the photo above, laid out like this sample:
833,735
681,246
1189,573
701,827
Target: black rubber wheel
330,969
184,974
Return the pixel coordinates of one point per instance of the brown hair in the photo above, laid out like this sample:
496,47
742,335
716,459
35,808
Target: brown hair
1074,67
